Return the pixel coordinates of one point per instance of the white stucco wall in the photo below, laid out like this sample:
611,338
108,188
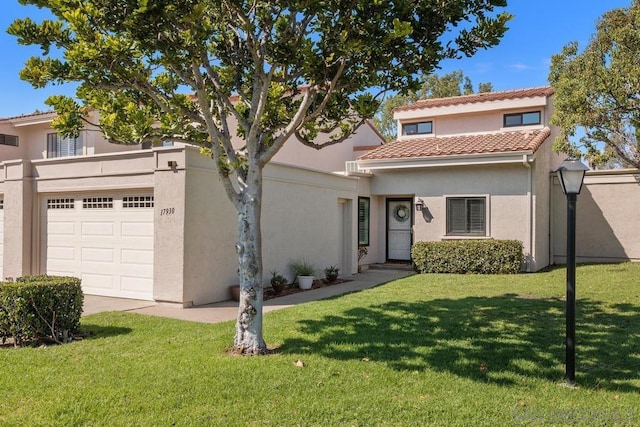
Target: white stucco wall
607,220
506,187
331,158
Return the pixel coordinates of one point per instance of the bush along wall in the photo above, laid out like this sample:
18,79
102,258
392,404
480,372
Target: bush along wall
468,256
40,308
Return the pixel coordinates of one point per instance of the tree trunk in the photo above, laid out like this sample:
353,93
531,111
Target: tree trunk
248,339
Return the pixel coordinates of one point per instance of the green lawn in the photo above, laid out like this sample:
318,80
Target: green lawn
442,350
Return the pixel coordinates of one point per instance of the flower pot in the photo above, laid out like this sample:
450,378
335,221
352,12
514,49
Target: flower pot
332,277
305,282
235,292
278,287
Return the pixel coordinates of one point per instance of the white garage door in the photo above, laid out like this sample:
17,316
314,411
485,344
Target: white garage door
105,240
1,239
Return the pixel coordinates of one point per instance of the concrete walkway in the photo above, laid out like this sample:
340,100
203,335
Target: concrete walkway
228,310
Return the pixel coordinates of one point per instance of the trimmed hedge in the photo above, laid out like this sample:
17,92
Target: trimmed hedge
468,256
40,308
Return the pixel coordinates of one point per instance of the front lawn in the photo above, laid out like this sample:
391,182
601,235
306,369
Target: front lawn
441,350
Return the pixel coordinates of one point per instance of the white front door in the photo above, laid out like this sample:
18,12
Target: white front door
399,223
104,239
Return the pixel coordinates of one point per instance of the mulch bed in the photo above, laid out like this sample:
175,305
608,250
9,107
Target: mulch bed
294,289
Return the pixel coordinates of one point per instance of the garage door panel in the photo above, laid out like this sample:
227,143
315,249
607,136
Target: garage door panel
61,253
109,247
104,255
136,229
99,281
90,229
136,257
135,284
61,228
61,273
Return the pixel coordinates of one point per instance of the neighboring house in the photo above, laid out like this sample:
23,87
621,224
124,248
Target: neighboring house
468,167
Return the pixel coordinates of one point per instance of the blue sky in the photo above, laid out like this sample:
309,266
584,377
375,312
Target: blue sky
539,29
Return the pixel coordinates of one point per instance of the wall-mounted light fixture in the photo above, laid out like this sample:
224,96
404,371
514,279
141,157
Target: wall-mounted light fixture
172,164
419,204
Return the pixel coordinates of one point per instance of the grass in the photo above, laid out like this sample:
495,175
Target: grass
435,350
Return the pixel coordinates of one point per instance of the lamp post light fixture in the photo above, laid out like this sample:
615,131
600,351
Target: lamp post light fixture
571,175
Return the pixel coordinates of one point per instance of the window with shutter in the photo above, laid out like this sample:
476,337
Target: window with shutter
364,206
466,216
58,146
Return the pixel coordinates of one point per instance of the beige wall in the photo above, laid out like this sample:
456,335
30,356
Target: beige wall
607,219
331,158
509,190
311,215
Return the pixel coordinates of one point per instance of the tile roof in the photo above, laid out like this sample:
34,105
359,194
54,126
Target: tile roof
502,142
24,116
479,97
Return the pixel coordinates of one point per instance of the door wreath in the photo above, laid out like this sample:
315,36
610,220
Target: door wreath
401,213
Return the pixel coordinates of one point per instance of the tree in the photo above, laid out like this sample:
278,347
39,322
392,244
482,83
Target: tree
454,83
598,91
183,70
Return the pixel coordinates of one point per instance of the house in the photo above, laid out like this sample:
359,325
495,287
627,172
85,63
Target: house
155,223
466,167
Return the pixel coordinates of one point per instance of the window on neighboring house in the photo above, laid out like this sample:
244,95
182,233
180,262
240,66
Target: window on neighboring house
8,140
466,216
148,144
522,119
420,128
364,207
57,146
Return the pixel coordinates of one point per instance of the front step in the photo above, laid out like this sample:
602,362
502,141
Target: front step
404,266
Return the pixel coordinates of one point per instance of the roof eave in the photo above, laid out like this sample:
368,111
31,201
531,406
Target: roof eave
511,157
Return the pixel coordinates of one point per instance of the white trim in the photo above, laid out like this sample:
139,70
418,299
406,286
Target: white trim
450,160
472,107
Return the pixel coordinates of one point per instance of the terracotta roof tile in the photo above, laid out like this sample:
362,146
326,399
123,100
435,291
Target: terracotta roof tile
24,116
366,147
502,142
479,97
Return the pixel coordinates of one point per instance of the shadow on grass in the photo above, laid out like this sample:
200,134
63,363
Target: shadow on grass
490,339
92,332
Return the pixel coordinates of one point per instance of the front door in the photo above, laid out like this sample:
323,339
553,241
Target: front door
399,222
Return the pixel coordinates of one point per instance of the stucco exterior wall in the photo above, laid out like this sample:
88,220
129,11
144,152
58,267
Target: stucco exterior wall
607,220
311,215
508,189
331,158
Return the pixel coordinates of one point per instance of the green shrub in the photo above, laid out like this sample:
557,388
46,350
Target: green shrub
40,308
468,256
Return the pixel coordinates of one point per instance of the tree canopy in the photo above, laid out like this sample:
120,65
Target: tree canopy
454,83
185,70
598,92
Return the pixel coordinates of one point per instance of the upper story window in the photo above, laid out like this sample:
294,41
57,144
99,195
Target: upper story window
8,140
419,128
57,146
522,119
148,144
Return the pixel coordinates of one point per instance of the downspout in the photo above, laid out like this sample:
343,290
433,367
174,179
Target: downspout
529,246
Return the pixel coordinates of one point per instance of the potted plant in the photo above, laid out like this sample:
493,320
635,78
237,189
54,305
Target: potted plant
304,272
362,252
331,273
278,282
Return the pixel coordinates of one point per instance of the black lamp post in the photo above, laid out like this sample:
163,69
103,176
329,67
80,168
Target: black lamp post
571,174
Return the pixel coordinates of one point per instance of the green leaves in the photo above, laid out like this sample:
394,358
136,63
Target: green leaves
598,91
